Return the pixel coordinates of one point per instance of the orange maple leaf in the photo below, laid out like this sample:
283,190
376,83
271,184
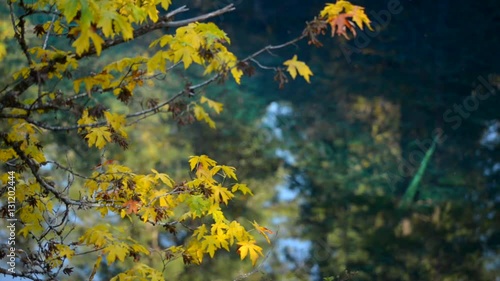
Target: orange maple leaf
132,206
341,23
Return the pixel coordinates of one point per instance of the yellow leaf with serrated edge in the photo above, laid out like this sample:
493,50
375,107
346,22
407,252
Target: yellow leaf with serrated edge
99,137
117,122
237,73
295,66
140,249
334,9
229,171
220,193
200,232
98,236
221,238
203,160
200,114
210,244
360,18
216,106
82,43
236,231
241,187
85,119
65,251
149,213
249,248
114,251
164,178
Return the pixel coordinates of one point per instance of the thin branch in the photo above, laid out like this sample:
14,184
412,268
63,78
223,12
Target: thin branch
261,65
274,47
48,31
203,17
64,168
19,33
160,105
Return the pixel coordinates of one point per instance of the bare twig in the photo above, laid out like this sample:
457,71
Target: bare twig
48,31
203,17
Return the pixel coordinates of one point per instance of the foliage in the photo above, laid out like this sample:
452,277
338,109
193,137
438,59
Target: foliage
52,95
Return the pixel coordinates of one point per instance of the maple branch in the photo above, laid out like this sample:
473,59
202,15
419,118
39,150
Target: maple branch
64,168
163,22
34,170
48,31
274,47
261,65
151,111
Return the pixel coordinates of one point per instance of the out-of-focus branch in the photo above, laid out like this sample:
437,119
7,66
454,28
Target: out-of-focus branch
163,22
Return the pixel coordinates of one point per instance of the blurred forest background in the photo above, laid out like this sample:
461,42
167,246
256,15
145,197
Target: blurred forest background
330,161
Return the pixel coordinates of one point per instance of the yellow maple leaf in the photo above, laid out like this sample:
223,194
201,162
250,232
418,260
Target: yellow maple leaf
220,193
85,119
249,247
201,114
228,171
236,230
98,137
216,106
295,66
65,251
164,178
360,18
149,213
241,187
114,251
203,160
210,245
200,231
116,121
237,73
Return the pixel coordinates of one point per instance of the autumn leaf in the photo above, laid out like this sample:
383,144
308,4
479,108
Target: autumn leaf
263,231
114,251
360,18
200,232
236,231
116,121
249,248
164,178
228,171
202,159
295,66
210,244
65,251
98,137
220,193
216,106
132,206
241,187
